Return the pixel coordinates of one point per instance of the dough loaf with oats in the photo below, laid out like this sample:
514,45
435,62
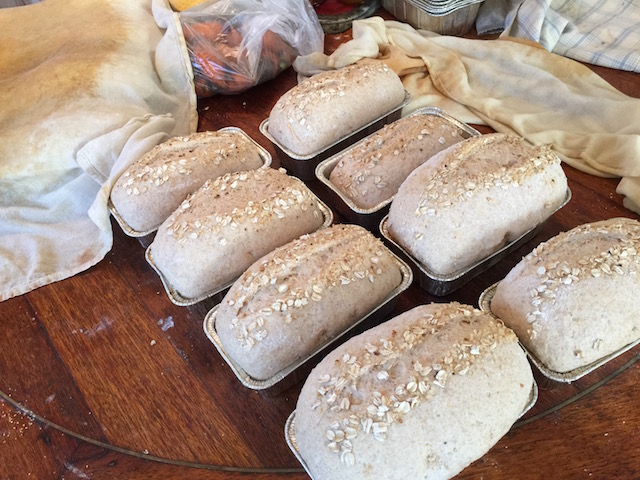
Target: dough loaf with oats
303,294
574,299
154,186
371,172
228,224
330,105
420,396
474,197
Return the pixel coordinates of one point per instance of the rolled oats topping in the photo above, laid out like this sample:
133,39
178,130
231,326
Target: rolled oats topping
279,278
262,211
605,251
467,172
399,381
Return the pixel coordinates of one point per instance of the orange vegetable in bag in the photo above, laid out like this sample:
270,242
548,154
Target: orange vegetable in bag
236,44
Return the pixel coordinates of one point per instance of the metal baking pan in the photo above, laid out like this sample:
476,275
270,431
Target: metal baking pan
440,285
290,427
446,21
183,301
303,166
265,156
484,303
370,217
377,315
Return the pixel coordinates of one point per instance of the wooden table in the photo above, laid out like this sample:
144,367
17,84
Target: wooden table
103,377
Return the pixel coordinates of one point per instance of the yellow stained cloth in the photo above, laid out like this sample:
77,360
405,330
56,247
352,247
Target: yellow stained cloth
511,85
86,87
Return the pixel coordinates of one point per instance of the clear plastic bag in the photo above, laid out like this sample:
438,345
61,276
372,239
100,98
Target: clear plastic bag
236,44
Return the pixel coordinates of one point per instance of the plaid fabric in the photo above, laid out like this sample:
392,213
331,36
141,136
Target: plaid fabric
600,32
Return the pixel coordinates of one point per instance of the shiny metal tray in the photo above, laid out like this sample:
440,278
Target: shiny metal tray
440,285
265,156
370,217
177,298
303,166
290,427
454,21
377,315
484,302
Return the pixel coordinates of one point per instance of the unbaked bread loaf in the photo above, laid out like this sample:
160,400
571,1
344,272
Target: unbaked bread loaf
575,298
371,172
330,105
472,198
303,294
420,396
155,185
228,224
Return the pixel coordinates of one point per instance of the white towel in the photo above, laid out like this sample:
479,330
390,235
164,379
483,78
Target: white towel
86,87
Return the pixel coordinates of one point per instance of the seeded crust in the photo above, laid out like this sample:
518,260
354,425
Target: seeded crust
154,186
372,172
420,396
303,294
330,105
474,197
230,222
574,299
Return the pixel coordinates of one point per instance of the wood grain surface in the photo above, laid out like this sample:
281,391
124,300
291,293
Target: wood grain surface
102,377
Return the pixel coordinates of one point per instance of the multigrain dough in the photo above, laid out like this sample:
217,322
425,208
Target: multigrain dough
228,224
575,298
420,396
330,105
303,294
472,198
154,186
371,172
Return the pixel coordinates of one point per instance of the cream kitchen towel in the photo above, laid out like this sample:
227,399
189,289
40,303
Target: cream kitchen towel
511,85
86,87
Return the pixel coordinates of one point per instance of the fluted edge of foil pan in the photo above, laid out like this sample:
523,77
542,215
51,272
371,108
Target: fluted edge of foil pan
264,155
370,217
255,384
178,299
484,302
303,166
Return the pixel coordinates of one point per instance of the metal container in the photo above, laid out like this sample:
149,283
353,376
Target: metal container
370,217
183,301
303,166
265,156
484,302
456,20
375,316
440,285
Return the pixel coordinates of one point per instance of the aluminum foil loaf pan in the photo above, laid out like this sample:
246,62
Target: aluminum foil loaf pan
484,302
441,285
265,156
291,374
303,166
370,217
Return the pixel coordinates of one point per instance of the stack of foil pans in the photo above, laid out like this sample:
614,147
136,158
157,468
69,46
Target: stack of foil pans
445,17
